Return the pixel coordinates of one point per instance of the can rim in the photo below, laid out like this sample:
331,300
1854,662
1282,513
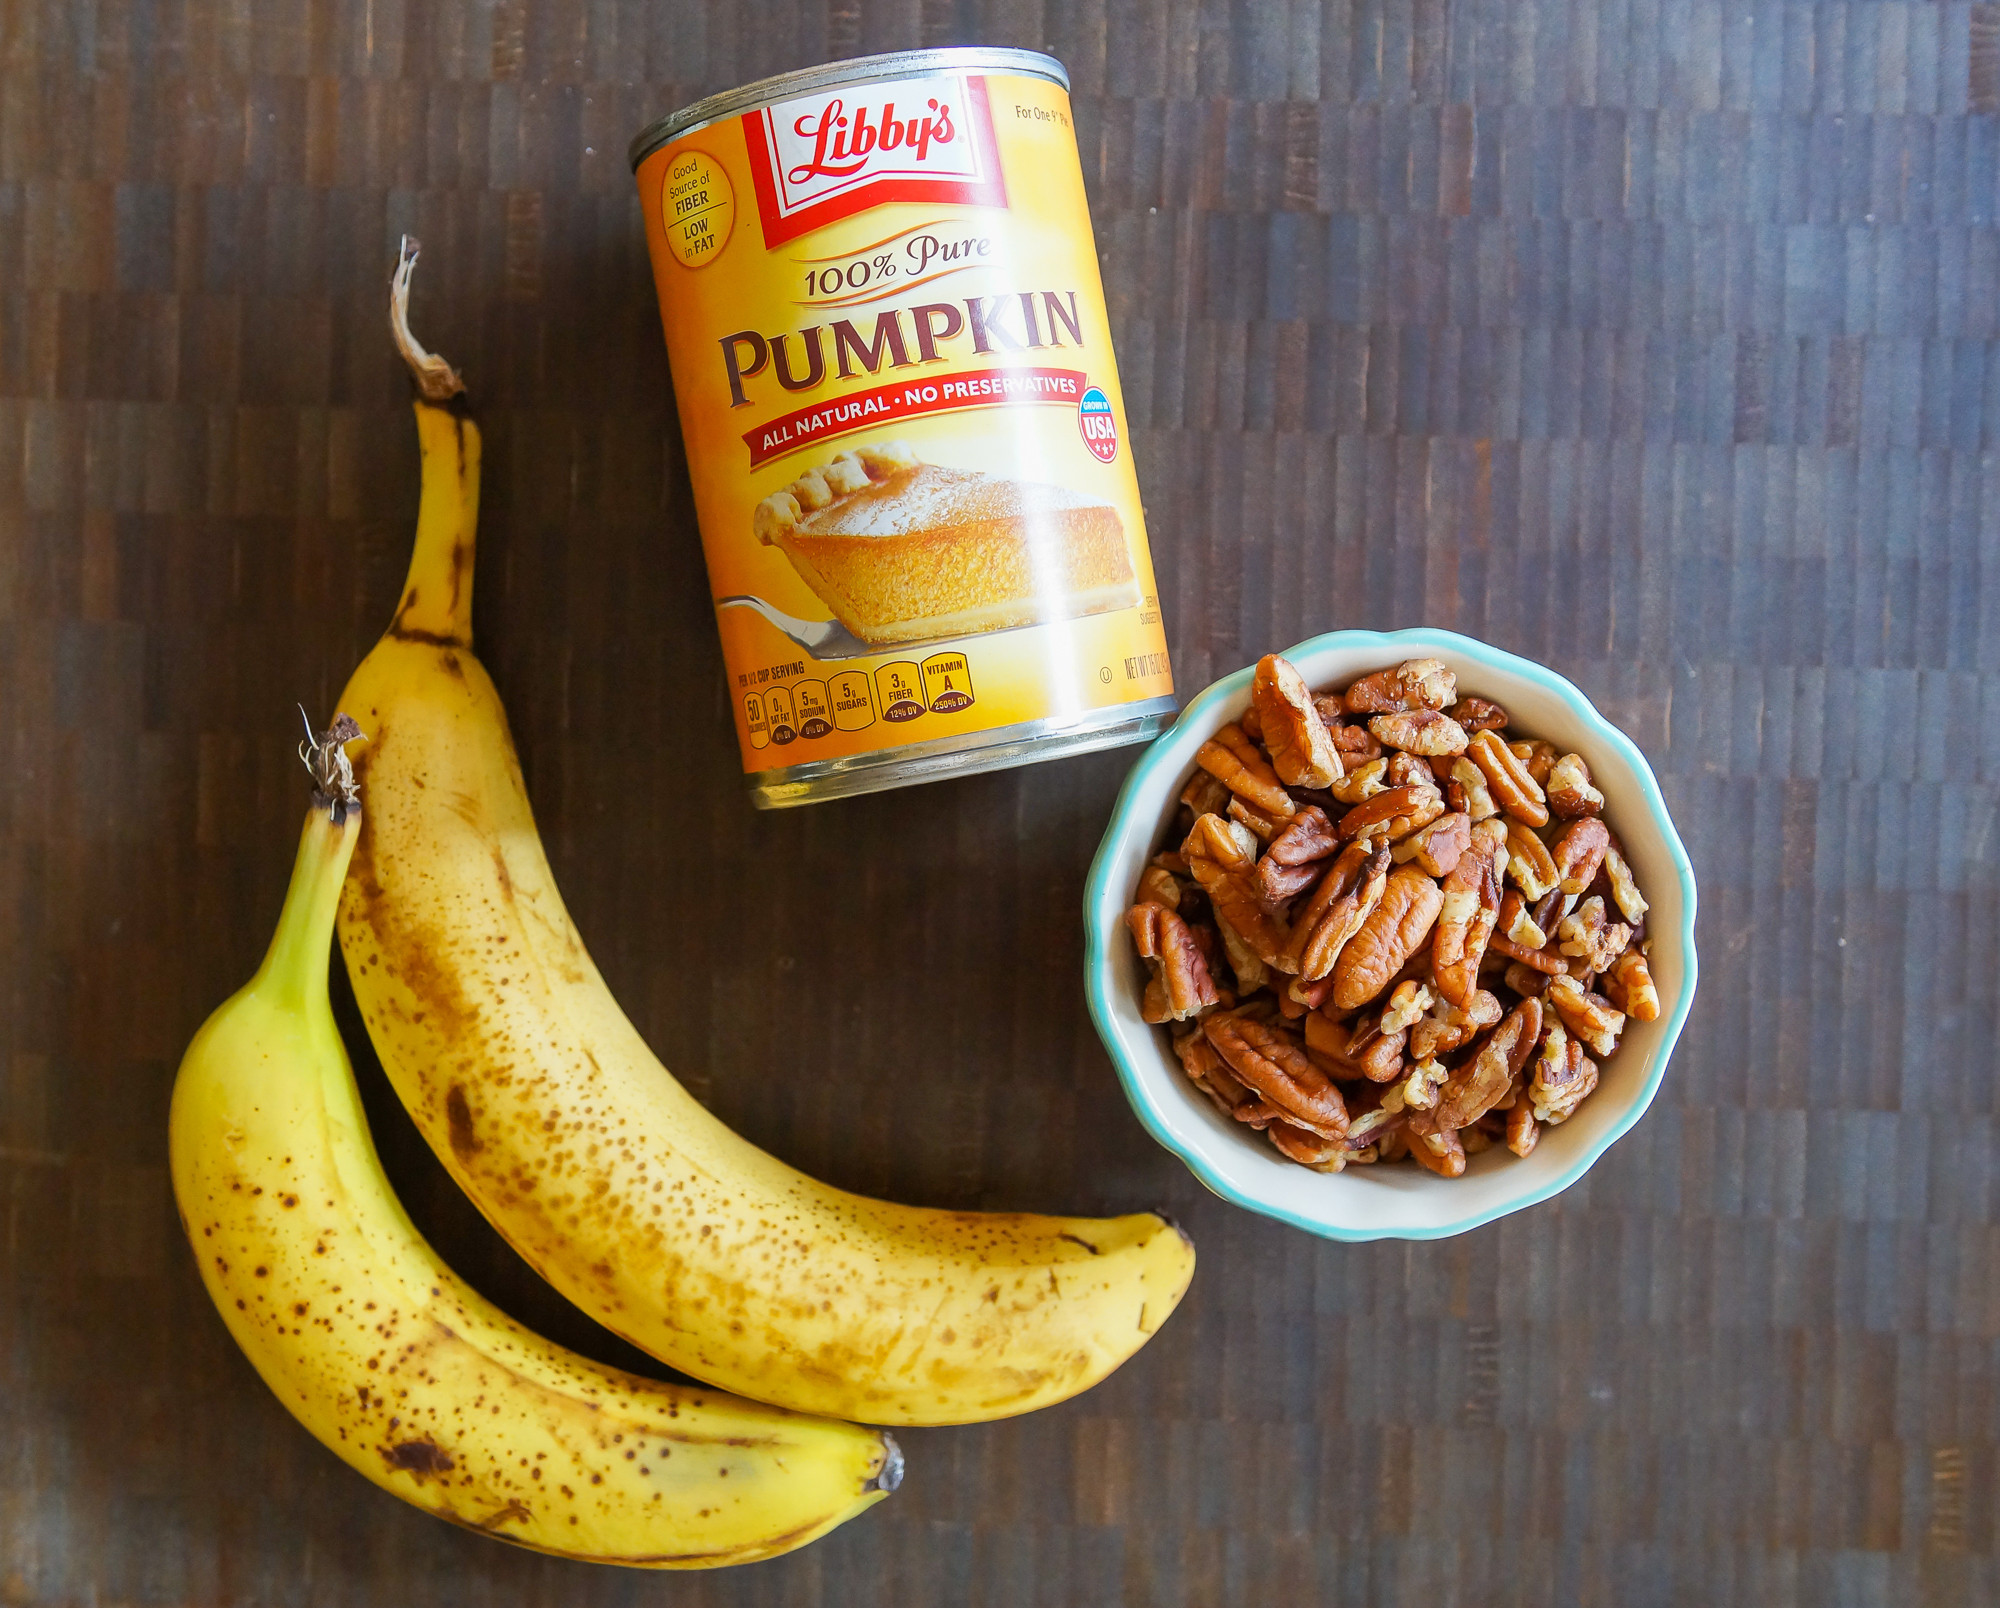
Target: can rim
829,75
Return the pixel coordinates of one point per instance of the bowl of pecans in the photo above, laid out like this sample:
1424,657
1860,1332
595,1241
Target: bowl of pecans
1390,935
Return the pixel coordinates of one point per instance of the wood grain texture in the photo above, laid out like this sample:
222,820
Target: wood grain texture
1655,339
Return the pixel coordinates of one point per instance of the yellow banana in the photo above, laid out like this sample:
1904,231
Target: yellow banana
597,1166
403,1370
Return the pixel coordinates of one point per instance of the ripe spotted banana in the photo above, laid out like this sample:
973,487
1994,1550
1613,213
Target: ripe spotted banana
402,1369
601,1170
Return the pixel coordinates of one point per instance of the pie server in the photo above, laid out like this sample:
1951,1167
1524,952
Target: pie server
829,639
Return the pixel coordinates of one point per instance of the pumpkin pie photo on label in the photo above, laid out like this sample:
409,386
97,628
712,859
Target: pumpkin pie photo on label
904,551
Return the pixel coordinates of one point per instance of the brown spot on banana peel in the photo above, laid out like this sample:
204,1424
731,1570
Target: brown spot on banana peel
458,1122
419,1457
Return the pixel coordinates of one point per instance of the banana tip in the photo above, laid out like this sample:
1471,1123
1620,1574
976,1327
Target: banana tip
890,1474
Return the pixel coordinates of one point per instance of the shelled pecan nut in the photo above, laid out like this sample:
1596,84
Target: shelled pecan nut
1629,984
1180,986
1413,684
1368,778
1624,891
1588,935
1391,934
1430,732
1529,862
1578,852
1337,910
1475,798
1271,1063
1438,846
1569,791
1392,815
1467,909
1232,759
1442,1152
1301,748
1590,1017
1409,770
1478,714
1539,757
1483,1079
1563,1076
1507,779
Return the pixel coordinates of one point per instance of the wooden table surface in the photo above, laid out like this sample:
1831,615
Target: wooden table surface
1655,339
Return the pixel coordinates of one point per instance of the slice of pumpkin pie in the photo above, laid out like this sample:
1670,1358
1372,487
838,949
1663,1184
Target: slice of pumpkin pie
902,550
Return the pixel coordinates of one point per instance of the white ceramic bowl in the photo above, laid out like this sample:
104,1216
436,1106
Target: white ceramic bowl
1402,1202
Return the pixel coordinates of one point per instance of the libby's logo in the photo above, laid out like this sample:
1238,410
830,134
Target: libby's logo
824,157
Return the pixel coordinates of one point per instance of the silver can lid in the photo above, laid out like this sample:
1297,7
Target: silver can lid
833,74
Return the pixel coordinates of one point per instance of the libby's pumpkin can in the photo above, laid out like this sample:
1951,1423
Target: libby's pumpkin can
910,458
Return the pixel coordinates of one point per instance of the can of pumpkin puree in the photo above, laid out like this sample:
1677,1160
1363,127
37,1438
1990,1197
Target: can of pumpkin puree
910,458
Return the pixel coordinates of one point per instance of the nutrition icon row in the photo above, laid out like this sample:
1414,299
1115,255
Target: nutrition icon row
854,700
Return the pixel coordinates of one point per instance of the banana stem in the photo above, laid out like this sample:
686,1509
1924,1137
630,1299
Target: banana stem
437,594
295,964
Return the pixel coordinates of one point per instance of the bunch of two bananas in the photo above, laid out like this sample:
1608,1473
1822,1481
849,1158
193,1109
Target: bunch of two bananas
811,1305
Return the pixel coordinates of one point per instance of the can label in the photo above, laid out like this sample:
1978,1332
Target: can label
902,415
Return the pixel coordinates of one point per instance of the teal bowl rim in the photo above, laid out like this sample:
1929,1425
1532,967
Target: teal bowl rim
1104,907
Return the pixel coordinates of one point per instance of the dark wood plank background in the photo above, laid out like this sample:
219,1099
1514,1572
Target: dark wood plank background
1652,338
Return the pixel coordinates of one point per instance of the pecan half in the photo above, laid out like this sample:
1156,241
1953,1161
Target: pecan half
1209,1071
1547,961
1449,1028
1478,714
1530,864
1563,1076
1355,743
1589,1016
1475,798
1468,907
1419,1091
1630,985
1624,890
1262,827
1391,934
1180,986
1442,1152
1437,847
1538,757
1301,748
1233,760
1336,911
1526,980
1406,1007
1420,731
1158,885
1368,778
1326,1043
1569,791
1481,1082
1409,770
1221,857
1517,922
1522,1130
1392,815
1578,852
1307,1148
1308,836
1218,842
1413,684
1507,779
1204,794
1588,935
1270,1062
